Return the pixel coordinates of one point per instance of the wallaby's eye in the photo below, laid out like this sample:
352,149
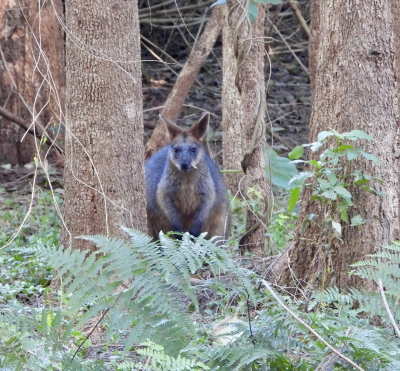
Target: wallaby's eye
194,150
176,150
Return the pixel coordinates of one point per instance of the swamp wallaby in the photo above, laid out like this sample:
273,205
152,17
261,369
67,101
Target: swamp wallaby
185,190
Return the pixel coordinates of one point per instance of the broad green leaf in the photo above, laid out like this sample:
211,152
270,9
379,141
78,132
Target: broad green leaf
371,157
344,147
356,220
315,163
361,181
296,152
337,227
329,194
316,146
345,203
294,197
374,191
331,153
344,216
358,134
324,183
279,169
332,178
253,12
299,179
342,192
323,135
352,154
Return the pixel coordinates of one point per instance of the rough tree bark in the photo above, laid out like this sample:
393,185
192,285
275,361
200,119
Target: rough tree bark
184,82
314,41
395,8
232,113
32,75
354,88
104,170
245,104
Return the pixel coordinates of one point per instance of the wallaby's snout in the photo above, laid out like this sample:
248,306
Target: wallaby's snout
186,165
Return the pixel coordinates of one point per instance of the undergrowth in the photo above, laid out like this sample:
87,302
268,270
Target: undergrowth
141,296
23,274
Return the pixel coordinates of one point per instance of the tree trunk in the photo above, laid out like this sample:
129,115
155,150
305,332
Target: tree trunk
249,85
314,41
104,170
32,76
184,82
395,8
232,114
354,88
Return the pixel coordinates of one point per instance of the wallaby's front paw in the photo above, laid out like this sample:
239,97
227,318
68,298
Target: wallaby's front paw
195,231
175,227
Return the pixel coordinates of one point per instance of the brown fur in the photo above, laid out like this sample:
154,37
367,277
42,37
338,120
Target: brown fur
189,195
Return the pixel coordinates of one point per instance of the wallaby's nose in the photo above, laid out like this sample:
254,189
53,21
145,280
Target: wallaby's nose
185,165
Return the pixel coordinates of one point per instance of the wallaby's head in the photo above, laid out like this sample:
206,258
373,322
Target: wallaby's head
187,151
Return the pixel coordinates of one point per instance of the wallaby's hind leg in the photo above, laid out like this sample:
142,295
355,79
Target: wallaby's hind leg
155,224
218,224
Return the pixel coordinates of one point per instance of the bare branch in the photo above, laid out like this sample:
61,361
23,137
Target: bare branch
385,303
295,7
25,125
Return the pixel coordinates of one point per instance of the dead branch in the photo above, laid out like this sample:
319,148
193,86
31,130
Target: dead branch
295,7
38,133
392,320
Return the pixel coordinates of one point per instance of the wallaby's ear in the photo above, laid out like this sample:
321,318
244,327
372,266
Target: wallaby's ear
199,129
173,129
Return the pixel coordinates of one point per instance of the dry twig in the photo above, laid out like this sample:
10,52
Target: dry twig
288,46
385,303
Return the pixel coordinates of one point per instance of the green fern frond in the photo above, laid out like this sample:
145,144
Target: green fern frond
140,285
238,356
384,266
332,294
191,254
391,256
163,362
33,339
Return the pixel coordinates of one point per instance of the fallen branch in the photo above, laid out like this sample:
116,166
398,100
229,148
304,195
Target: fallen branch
38,133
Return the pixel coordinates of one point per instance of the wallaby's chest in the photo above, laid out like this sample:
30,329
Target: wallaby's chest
188,196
